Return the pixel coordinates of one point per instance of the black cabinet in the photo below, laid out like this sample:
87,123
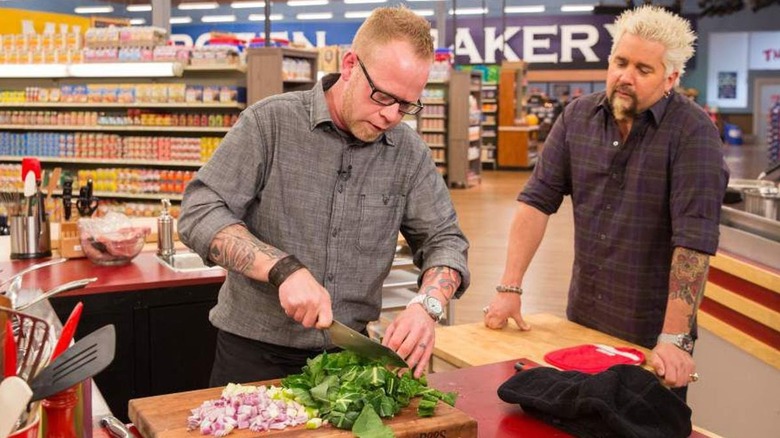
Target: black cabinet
165,342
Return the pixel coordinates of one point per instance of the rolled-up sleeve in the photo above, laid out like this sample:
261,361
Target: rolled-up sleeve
219,194
550,180
699,177
431,227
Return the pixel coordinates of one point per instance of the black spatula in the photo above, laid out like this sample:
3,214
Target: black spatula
87,357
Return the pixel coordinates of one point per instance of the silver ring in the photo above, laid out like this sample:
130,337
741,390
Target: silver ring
694,377
486,309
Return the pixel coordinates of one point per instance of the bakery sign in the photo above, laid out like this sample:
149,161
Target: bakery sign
764,51
551,42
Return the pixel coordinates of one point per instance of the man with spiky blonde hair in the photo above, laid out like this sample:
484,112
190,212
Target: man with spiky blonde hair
303,202
645,172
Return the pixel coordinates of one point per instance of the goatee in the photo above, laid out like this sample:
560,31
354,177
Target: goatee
621,109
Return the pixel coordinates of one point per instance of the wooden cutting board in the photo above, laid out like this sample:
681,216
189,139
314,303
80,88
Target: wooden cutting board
165,416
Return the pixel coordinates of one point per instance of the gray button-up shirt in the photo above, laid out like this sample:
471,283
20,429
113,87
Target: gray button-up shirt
634,202
299,183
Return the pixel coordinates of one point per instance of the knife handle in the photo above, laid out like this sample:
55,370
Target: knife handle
115,427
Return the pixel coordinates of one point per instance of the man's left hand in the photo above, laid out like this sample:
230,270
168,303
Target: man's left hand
411,335
674,365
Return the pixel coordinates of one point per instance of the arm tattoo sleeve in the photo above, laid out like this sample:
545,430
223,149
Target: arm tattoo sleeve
687,278
441,278
235,248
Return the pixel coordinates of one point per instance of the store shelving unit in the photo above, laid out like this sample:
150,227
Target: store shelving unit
266,73
450,124
489,124
464,145
275,70
517,144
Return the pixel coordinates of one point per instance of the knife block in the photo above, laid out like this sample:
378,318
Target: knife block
70,243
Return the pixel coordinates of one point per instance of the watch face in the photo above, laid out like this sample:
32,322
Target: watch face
434,305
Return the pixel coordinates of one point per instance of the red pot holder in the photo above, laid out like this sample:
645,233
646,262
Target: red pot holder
590,358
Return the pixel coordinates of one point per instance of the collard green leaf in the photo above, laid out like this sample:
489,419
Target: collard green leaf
369,425
342,386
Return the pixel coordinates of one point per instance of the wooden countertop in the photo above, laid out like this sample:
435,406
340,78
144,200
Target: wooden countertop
142,273
468,345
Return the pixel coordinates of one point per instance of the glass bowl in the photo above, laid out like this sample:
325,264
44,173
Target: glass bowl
113,248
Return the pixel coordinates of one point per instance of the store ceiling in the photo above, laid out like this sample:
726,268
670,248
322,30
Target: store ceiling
340,8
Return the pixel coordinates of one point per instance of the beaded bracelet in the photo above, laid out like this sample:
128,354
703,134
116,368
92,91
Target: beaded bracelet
283,269
507,288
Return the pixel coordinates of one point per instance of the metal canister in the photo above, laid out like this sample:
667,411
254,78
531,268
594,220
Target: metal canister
165,247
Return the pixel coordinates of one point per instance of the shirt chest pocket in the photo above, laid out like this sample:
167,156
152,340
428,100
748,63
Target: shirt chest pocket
380,219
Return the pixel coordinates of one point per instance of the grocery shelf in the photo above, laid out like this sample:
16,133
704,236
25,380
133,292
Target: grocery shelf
99,105
216,68
115,128
148,196
120,161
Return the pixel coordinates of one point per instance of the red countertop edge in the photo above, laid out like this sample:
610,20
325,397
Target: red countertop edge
143,273
477,387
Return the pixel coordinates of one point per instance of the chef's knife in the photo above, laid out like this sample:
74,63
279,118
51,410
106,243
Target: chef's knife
348,339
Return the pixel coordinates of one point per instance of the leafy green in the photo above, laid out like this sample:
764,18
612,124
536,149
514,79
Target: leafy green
352,392
369,425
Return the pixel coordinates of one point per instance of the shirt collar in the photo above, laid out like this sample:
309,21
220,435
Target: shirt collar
656,111
319,114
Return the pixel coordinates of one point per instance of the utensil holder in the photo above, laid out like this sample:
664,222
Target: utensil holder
30,237
70,243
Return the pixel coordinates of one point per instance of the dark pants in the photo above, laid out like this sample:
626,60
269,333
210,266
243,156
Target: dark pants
242,360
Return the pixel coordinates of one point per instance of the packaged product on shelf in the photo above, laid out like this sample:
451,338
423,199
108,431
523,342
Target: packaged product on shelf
166,53
177,92
210,94
125,93
159,93
193,94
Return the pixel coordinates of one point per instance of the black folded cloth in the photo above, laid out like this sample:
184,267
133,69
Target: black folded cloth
623,401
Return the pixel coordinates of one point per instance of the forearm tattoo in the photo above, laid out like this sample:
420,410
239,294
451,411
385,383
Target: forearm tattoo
687,279
235,248
442,278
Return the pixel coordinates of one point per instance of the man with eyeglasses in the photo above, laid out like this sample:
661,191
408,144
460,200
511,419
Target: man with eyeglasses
303,201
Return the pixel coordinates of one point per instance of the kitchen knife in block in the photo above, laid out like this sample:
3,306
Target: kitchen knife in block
86,358
348,339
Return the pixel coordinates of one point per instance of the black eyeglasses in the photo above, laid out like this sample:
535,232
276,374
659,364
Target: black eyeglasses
387,99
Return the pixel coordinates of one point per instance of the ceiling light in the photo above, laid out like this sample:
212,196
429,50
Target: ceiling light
137,21
247,5
261,17
296,3
139,8
469,11
425,0
218,18
94,10
423,12
362,2
180,20
315,16
198,5
357,14
577,8
524,9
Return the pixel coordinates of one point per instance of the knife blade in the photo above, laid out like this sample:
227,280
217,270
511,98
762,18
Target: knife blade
612,350
348,339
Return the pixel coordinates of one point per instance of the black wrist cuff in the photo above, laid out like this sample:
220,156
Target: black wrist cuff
283,269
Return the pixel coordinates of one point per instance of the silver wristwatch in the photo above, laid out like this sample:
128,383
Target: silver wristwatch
431,304
683,341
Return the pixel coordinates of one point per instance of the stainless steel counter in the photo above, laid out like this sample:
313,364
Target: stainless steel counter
750,236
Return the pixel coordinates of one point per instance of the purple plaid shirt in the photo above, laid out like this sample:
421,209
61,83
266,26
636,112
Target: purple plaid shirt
634,202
